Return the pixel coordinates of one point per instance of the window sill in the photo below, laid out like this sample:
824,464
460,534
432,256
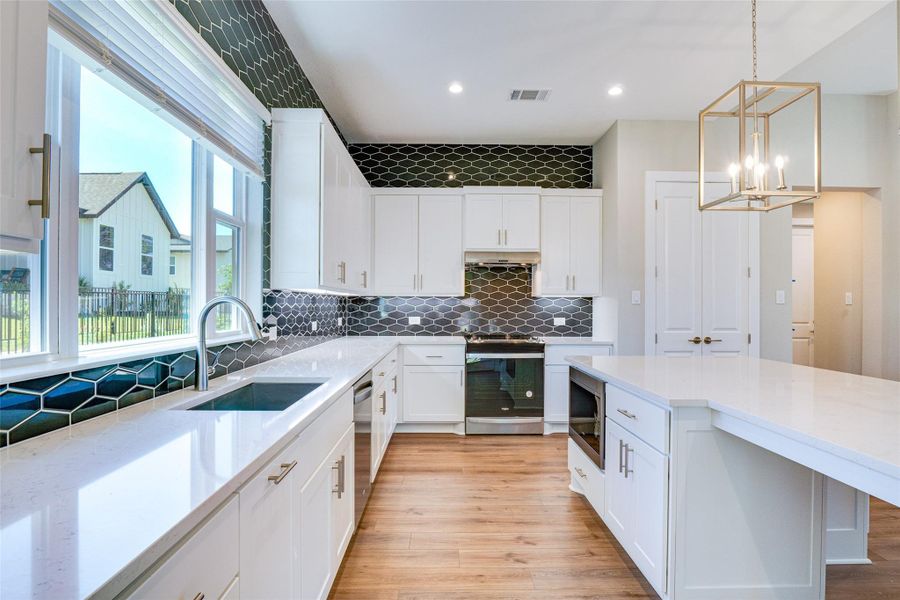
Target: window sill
43,366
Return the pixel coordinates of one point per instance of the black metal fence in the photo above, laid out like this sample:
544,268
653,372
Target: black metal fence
104,315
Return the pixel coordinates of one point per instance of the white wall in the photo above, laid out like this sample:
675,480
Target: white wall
857,152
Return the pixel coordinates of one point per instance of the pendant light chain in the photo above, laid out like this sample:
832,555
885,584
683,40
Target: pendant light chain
753,13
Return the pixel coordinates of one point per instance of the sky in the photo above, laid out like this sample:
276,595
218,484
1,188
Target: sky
118,134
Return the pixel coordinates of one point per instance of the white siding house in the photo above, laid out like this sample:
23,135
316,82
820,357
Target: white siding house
125,232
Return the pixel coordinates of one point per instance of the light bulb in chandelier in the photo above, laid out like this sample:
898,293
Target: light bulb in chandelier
734,170
779,167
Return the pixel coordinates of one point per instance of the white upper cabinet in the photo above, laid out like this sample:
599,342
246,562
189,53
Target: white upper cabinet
570,244
23,68
440,246
506,221
321,215
396,248
417,247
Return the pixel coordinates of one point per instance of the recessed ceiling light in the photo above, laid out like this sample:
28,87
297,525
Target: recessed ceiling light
455,88
615,90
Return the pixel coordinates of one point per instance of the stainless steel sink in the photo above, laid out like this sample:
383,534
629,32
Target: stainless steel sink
260,396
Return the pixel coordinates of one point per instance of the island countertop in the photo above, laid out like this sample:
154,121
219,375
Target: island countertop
854,418
85,510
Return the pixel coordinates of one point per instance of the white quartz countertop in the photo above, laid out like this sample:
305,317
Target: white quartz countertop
856,418
87,509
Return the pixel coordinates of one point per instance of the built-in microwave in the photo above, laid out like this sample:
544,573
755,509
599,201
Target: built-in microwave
587,414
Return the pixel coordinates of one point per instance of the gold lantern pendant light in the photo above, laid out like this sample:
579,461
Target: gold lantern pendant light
764,104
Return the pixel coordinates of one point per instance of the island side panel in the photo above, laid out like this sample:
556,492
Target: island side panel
744,522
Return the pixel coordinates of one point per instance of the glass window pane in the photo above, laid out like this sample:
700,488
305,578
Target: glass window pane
223,186
21,303
135,195
227,270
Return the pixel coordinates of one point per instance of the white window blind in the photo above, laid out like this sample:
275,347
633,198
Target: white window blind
152,48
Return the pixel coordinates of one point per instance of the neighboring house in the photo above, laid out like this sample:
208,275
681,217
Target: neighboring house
130,232
179,265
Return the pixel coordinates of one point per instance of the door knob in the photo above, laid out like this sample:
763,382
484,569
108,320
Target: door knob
695,340
709,340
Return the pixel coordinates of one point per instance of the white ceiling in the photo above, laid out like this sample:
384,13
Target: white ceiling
382,68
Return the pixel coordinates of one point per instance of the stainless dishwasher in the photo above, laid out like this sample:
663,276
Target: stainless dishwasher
362,442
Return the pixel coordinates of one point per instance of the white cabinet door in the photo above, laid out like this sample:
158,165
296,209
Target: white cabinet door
23,71
359,237
206,564
266,526
315,546
433,394
555,276
393,401
618,492
342,516
334,211
440,246
484,222
584,246
395,260
380,427
522,222
556,394
648,475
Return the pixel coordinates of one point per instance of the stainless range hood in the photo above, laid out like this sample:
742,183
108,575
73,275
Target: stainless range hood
502,259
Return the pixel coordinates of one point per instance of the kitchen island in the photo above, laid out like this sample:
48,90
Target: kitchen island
714,467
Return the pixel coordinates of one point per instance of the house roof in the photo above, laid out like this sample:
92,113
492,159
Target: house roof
99,191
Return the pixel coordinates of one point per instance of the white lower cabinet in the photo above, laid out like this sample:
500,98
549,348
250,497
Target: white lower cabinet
433,394
384,417
206,565
636,494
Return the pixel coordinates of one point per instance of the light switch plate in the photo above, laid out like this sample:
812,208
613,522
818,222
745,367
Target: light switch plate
779,296
559,320
315,325
340,321
635,296
848,298
415,320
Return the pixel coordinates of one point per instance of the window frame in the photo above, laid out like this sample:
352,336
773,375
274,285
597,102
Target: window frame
101,247
59,327
145,237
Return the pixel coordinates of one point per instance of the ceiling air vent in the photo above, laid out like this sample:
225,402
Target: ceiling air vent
529,95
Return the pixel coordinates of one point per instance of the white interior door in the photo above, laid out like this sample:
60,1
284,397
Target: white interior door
802,295
725,280
395,255
678,269
440,246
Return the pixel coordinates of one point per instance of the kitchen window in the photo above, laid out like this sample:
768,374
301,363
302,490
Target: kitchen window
147,170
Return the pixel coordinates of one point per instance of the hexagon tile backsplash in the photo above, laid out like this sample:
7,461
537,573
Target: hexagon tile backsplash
498,299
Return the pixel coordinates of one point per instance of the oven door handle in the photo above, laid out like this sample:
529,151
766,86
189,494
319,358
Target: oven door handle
506,355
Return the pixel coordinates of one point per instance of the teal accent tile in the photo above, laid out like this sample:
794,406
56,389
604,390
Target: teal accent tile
116,384
135,396
153,374
15,407
94,374
42,422
94,408
40,384
69,395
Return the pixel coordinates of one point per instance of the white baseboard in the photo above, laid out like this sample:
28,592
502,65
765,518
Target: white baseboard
550,427
455,428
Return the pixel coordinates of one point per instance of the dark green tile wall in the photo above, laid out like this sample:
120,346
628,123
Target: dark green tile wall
456,165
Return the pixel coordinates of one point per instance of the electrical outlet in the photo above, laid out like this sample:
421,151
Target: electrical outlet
340,321
559,321
315,325
779,296
415,320
272,333
635,296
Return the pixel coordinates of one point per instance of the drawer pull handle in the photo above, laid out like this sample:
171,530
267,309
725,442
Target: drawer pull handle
394,390
630,415
285,469
381,373
580,473
621,447
200,596
340,466
434,356
627,470
383,402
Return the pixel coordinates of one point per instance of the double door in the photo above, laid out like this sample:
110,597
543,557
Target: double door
418,245
507,222
702,274
570,246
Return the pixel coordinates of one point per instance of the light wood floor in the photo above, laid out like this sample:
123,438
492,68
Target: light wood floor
491,517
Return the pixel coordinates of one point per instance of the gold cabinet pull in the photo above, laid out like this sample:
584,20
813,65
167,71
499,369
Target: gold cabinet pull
44,202
285,469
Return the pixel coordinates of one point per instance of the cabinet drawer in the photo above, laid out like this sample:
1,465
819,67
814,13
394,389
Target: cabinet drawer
434,354
647,421
382,371
587,478
207,563
556,354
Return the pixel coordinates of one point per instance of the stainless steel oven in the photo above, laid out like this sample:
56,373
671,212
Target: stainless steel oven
587,414
504,385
